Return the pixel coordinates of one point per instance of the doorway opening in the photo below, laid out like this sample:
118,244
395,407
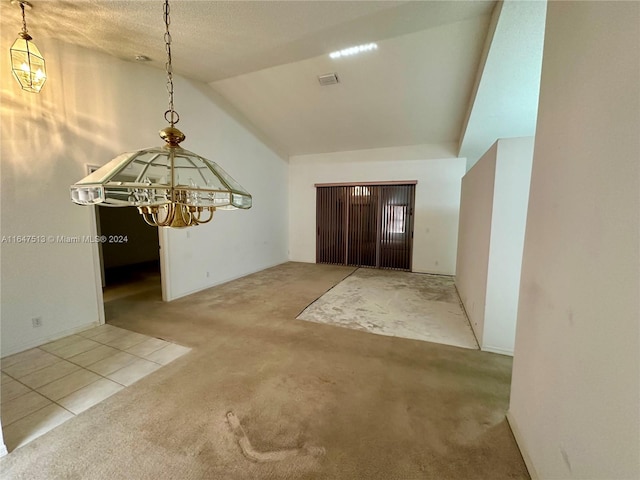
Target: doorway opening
129,252
365,224
127,257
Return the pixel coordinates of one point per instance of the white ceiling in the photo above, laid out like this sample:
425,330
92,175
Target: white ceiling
213,40
264,56
413,89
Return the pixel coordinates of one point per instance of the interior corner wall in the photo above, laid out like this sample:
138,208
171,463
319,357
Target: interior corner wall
93,107
437,171
575,393
474,236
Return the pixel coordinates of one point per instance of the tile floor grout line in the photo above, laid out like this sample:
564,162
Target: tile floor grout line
95,381
83,338
25,385
63,407
51,399
68,360
41,368
34,411
91,349
119,349
73,391
11,377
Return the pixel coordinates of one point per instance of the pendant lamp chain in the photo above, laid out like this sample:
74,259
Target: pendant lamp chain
24,20
170,115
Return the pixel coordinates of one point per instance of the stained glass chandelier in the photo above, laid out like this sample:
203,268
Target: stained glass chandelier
170,186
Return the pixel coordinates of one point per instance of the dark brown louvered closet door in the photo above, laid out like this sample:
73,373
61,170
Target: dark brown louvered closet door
365,225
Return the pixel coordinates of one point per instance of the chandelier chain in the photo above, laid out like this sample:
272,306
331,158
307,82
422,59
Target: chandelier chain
170,115
24,20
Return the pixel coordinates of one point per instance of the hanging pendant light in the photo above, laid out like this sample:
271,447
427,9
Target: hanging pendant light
27,63
170,186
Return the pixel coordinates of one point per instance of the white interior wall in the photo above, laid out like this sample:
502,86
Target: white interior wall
437,171
92,108
510,202
474,236
575,394
239,242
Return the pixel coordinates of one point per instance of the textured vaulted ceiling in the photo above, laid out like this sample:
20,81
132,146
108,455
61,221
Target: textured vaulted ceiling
413,89
221,39
264,56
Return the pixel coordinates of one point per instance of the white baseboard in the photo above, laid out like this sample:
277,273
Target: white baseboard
171,297
523,451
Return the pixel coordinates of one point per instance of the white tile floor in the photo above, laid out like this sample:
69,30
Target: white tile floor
46,386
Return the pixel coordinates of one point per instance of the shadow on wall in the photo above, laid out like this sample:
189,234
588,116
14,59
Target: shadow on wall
89,107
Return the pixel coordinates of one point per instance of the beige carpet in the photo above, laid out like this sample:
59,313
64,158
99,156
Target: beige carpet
352,404
397,304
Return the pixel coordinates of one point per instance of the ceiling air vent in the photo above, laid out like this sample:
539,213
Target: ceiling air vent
328,79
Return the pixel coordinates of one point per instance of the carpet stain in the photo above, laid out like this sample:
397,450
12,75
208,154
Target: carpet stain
273,456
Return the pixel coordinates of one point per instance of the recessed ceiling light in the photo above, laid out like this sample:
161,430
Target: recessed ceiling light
354,50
